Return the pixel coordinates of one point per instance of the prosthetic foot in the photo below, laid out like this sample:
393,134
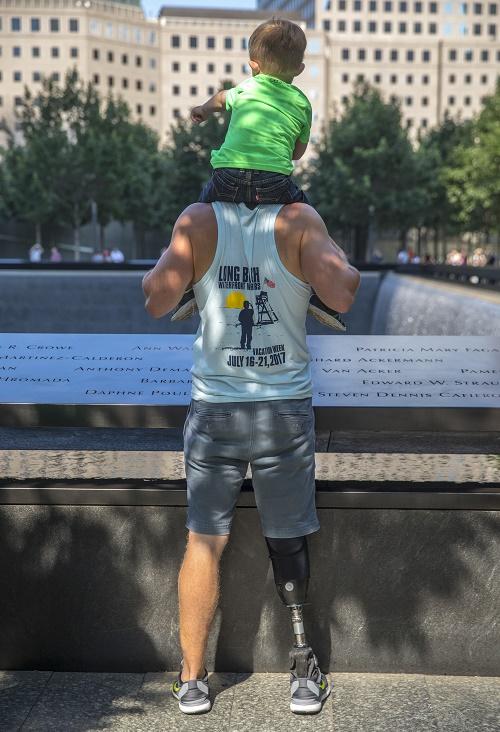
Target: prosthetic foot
308,686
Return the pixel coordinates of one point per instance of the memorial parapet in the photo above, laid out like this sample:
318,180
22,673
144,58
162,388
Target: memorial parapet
360,382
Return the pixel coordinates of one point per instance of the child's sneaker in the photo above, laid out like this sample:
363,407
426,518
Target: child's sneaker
188,307
192,695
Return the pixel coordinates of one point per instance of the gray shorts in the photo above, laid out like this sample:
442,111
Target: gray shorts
277,439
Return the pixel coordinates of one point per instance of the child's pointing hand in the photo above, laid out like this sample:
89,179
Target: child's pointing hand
198,115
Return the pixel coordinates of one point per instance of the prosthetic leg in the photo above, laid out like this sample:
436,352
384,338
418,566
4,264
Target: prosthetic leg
290,560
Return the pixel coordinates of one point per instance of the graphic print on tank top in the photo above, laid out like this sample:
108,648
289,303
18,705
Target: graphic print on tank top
251,322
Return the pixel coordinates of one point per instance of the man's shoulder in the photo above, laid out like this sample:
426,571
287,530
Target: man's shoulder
296,217
196,214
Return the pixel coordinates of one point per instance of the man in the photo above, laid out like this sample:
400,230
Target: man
246,319
247,407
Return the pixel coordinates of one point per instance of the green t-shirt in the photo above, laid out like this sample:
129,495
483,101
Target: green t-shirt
268,117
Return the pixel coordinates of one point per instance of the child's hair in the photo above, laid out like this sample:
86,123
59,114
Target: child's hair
278,45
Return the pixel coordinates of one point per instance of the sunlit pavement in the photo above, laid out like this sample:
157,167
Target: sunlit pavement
44,700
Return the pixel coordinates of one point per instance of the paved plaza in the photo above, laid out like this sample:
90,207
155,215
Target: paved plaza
83,702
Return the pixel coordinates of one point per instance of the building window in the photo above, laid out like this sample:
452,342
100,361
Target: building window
492,8
426,56
377,78
210,42
95,54
55,76
342,4
378,54
357,5
193,67
18,101
111,81
403,6
152,87
210,91
451,101
387,26
468,79
393,79
467,101
152,111
110,56
193,90
360,77
73,52
17,76
138,108
210,68
176,90
410,55
345,78
361,54
425,101
492,30
341,25
73,25
54,52
485,55
95,78
478,9
228,68
175,42
15,24
176,66
152,63
245,69
345,100
35,52
425,79
35,25
417,7
484,79
54,25
452,55
388,6
124,83
357,26
409,79
417,27
138,61
228,43
402,27
468,56
36,76
432,29
244,44
372,27
193,41
373,6
176,113
16,51
138,85
476,29
124,59
408,101
433,8
451,79
326,25
394,55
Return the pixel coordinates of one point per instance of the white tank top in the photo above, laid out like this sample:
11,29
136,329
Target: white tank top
251,342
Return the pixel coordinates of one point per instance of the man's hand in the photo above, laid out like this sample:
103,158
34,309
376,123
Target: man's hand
199,114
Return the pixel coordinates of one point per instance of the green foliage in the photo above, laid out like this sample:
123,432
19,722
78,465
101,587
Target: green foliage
365,163
472,175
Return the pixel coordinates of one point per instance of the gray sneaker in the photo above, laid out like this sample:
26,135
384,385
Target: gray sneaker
308,692
192,695
326,316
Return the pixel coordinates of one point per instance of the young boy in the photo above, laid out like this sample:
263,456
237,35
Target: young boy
269,128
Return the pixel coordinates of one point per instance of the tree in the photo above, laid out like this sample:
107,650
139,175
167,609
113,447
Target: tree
473,174
365,163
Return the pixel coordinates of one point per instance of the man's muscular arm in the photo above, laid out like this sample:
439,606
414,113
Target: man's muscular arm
325,265
165,284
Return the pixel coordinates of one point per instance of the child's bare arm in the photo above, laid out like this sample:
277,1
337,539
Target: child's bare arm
217,103
299,150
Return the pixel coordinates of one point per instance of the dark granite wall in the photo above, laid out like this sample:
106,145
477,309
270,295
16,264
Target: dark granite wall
94,588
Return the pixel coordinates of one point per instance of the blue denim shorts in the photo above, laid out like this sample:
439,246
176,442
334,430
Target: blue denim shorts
251,187
277,439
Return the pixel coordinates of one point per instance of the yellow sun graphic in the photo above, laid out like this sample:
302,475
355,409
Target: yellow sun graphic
235,299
